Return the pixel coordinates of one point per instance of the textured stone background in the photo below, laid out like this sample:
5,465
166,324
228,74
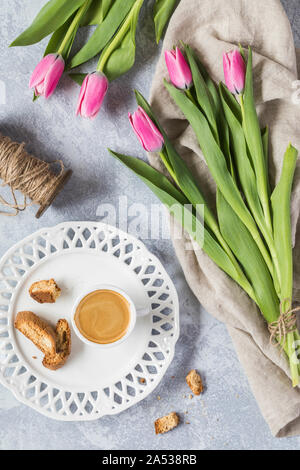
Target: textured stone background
226,416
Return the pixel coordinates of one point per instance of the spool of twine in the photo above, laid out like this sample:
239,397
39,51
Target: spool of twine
34,178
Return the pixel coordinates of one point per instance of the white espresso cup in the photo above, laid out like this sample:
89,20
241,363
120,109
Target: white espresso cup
133,311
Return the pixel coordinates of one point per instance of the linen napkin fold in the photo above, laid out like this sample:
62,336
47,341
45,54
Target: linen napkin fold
212,27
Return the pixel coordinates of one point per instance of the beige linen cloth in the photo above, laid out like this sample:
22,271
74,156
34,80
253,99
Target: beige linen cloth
211,27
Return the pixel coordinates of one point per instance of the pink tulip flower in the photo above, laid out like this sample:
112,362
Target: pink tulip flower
179,71
46,75
146,131
92,93
234,71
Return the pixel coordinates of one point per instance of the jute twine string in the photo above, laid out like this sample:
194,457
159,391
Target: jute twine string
286,323
26,173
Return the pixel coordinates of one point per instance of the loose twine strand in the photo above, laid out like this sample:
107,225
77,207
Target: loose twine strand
286,323
26,173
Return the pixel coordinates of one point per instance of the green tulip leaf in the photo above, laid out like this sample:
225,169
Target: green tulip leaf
281,201
254,141
103,33
57,37
204,97
122,59
119,55
163,9
265,135
209,82
143,170
51,17
97,12
265,141
78,77
244,168
231,102
245,249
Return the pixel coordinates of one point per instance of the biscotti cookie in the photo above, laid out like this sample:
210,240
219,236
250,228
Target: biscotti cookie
37,330
45,291
63,347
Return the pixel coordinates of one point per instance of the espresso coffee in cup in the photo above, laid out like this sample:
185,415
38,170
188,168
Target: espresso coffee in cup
103,316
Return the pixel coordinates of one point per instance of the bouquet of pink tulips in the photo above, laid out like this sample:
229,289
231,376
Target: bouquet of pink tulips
113,40
250,239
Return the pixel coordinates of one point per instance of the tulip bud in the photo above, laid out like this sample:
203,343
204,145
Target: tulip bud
234,71
92,93
179,71
146,131
46,75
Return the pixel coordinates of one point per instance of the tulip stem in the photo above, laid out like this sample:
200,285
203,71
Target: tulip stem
119,36
168,166
74,25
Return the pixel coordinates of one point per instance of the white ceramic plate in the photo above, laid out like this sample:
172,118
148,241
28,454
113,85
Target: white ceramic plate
93,382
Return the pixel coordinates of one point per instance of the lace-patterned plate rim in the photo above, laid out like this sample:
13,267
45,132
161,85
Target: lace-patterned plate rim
133,385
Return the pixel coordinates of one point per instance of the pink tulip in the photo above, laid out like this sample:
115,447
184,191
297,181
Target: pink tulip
179,71
146,131
92,93
234,71
46,75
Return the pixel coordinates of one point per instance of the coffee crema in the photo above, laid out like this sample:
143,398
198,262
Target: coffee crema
103,316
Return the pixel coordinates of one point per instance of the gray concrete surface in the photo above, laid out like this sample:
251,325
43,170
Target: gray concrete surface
226,416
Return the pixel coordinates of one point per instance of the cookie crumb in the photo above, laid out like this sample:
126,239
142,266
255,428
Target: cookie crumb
194,381
158,397
190,396
142,380
166,423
